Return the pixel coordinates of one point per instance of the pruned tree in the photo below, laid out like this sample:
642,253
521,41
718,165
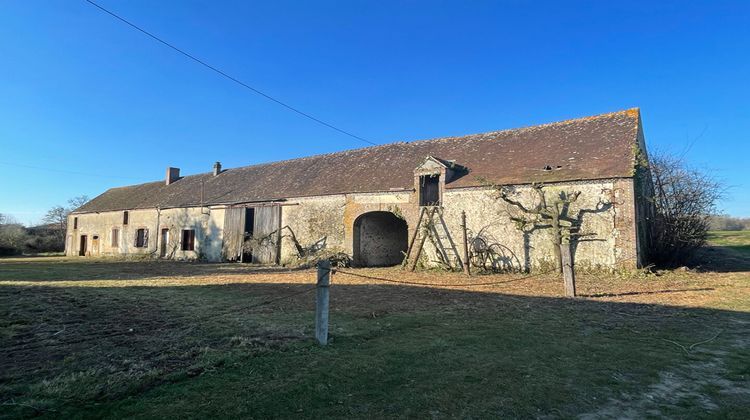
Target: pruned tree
683,199
552,210
547,212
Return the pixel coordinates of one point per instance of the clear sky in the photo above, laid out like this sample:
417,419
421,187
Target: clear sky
83,93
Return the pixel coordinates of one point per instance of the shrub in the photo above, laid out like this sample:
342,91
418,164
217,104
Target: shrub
683,198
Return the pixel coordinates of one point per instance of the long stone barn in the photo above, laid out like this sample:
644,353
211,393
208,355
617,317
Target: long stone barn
368,203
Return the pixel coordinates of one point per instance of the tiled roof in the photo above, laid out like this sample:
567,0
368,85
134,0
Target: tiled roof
586,148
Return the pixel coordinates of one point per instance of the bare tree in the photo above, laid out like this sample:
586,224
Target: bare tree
683,198
553,211
58,217
545,213
76,202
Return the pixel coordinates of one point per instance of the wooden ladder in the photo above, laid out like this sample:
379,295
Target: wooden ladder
434,228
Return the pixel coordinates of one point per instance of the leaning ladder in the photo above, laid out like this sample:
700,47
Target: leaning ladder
431,224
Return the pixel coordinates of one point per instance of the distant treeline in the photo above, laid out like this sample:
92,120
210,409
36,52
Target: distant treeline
726,222
16,239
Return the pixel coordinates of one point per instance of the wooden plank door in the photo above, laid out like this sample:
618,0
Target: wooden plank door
234,233
267,235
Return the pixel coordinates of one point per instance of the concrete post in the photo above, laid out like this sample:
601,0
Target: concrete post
321,302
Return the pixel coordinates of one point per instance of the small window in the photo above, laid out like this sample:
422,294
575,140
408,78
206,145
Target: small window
188,240
115,238
429,190
141,238
125,217
75,223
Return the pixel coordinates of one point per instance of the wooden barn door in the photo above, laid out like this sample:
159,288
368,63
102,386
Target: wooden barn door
267,234
234,233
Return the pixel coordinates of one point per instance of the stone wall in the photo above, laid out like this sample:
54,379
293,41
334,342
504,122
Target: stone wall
206,222
315,222
605,208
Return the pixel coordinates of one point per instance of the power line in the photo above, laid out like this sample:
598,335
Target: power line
222,73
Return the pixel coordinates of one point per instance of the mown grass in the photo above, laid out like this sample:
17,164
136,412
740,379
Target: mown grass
737,241
83,338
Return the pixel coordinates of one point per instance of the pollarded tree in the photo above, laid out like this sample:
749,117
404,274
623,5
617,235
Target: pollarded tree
551,210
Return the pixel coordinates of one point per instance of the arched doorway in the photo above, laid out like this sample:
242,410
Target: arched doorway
380,239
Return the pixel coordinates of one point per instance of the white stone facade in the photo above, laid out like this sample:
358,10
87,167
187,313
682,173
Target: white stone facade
605,208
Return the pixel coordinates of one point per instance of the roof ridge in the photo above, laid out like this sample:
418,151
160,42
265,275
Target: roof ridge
535,126
507,130
402,142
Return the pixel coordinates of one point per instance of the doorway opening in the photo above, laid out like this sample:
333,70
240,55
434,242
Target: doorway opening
247,251
82,246
429,190
380,239
164,242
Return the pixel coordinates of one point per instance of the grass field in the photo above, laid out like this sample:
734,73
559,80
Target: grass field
104,338
737,241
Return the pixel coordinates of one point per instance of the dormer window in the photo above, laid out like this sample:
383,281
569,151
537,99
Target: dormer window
429,190
430,178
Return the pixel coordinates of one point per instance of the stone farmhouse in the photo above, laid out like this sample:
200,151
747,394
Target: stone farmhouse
367,202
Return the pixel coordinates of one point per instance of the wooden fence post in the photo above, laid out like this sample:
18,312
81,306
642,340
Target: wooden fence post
467,268
569,276
321,302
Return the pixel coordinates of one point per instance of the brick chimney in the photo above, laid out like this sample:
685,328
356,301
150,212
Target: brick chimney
173,174
217,168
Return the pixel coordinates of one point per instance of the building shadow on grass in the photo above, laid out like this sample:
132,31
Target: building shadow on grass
647,292
84,268
722,259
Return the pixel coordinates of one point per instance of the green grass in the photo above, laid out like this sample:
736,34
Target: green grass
674,345
737,241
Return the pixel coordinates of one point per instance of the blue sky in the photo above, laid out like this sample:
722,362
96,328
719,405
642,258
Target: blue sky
81,92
